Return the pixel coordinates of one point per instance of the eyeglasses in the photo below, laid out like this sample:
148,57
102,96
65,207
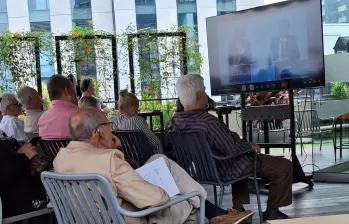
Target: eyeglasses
110,124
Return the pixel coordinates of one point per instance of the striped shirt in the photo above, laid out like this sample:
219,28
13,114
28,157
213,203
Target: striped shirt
222,141
136,123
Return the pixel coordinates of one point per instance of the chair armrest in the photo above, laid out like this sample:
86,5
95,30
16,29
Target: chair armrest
172,201
327,119
28,215
232,156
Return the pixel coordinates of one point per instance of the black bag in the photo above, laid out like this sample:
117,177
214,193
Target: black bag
39,164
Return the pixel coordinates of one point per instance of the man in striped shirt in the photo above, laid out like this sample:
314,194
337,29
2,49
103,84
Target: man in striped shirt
275,170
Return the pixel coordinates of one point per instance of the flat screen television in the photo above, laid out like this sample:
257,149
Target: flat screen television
273,47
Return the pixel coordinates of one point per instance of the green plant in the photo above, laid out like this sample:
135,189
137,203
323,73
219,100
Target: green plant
340,90
45,96
149,104
17,57
159,61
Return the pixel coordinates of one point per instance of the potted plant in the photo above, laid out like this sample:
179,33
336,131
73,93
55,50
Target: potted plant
278,129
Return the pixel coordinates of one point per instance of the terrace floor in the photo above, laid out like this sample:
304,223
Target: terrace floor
323,199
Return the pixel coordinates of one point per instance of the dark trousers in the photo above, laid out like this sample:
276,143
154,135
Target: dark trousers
278,172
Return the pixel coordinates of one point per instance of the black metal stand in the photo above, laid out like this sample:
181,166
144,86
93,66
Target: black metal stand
298,173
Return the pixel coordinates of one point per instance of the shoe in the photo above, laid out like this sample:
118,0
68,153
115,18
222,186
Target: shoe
274,216
233,217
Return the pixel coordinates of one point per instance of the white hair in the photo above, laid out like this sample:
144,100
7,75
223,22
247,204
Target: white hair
187,87
23,95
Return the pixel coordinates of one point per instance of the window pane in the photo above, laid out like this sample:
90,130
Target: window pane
38,4
225,6
3,6
81,12
43,26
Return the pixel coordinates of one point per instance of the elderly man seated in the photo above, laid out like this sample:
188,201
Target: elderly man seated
275,170
10,124
64,102
93,150
32,102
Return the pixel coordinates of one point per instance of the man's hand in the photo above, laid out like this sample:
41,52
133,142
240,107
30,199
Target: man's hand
256,147
27,149
116,142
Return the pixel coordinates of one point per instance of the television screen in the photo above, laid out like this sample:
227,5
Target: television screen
272,47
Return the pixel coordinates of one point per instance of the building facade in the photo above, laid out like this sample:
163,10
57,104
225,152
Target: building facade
335,11
59,16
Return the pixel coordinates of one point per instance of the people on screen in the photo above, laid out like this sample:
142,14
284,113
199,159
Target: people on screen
240,48
284,46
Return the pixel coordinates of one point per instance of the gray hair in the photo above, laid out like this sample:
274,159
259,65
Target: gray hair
6,100
187,86
85,127
89,102
24,93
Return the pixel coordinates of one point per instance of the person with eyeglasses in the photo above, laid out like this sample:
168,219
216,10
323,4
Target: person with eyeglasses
94,149
10,124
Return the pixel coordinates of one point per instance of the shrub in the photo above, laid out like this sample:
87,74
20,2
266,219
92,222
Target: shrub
340,90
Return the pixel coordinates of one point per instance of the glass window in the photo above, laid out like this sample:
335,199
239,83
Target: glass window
3,16
187,16
38,4
39,17
225,6
81,12
146,18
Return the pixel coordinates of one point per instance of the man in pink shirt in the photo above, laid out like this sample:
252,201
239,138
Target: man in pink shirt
54,123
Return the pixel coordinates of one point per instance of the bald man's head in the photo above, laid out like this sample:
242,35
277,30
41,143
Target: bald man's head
84,122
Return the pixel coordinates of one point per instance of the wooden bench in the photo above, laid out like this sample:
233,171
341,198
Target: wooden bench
334,219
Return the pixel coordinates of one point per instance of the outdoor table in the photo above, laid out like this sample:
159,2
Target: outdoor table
225,110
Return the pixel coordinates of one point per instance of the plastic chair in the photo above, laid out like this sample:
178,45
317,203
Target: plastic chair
12,143
89,198
50,147
135,146
195,156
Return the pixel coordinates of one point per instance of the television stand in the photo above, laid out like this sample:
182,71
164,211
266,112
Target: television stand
267,114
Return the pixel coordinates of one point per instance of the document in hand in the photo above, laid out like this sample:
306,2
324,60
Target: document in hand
158,174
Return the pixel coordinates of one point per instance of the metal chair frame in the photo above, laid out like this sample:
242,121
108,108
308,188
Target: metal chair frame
195,156
135,146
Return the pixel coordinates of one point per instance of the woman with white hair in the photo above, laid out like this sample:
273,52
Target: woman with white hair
32,102
10,124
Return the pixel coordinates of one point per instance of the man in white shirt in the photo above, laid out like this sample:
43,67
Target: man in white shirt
10,124
32,102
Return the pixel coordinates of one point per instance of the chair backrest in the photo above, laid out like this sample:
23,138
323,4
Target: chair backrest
273,125
82,198
12,143
50,147
135,146
308,121
32,135
193,154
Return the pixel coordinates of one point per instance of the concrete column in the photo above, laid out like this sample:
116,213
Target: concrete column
18,15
